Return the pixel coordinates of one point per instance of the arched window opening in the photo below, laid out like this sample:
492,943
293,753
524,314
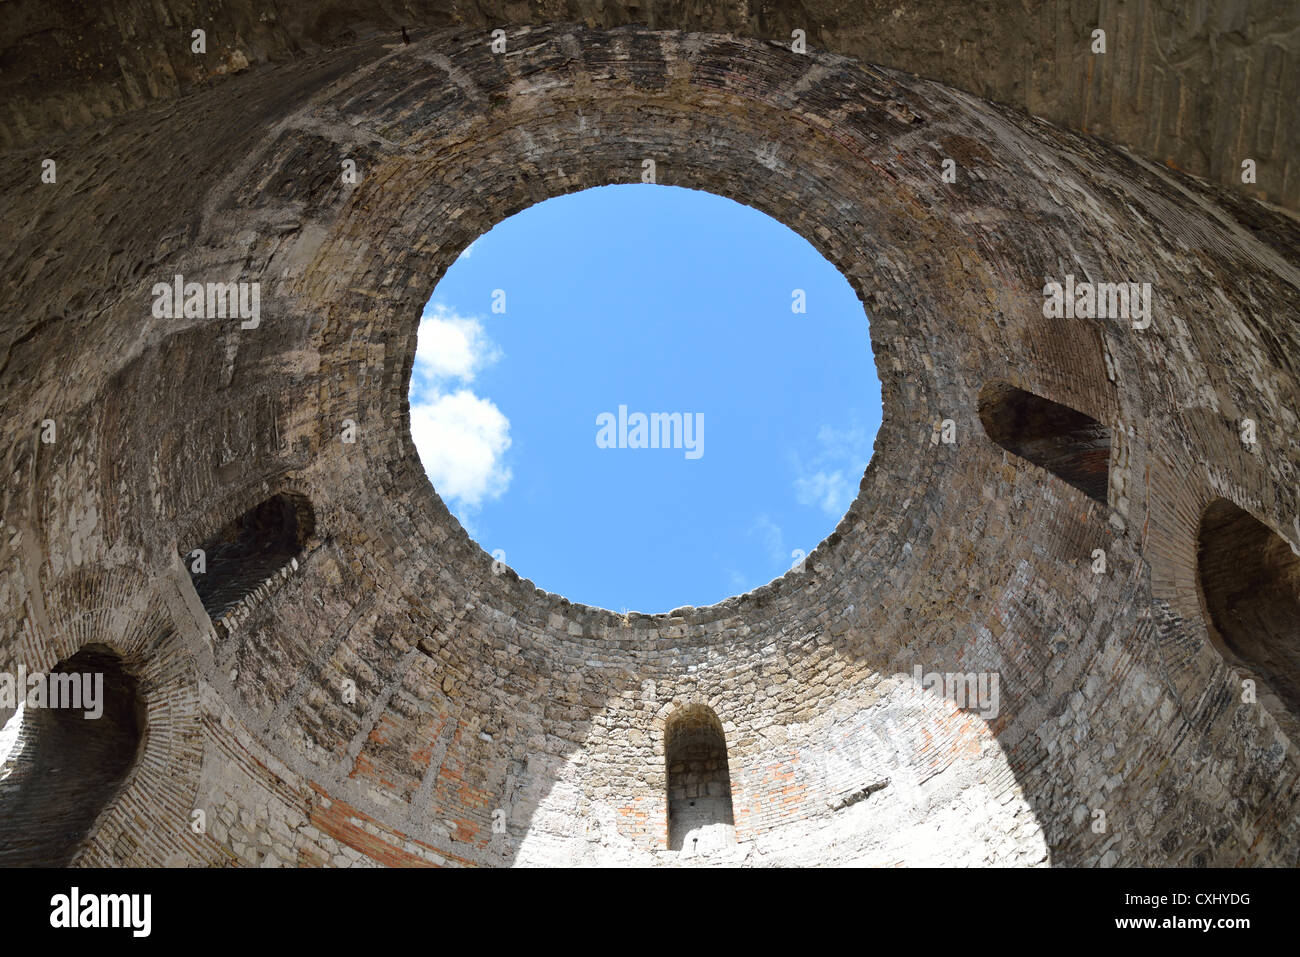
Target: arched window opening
249,550
1072,446
1250,585
699,782
71,746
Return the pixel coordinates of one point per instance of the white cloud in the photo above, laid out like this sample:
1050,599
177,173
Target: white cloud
769,534
461,437
829,491
844,443
829,480
451,347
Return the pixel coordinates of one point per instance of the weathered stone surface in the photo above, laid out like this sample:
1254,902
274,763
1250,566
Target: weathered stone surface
1200,87
390,699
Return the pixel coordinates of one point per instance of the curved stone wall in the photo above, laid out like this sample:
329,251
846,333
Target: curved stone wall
1200,87
388,698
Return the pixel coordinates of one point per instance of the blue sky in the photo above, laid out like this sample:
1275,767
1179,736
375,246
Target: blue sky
662,300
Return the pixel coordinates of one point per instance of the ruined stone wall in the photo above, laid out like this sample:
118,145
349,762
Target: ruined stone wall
1200,87
388,697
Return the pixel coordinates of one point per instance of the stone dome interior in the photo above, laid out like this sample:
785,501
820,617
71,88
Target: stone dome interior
1068,585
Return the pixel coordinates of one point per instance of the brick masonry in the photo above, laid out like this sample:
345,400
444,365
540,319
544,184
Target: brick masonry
1199,87
389,699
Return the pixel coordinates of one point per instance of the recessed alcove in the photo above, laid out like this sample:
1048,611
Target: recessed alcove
65,766
250,548
700,816
1071,445
1249,580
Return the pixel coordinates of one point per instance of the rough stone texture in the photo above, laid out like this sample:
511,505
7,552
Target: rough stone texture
480,700
1199,86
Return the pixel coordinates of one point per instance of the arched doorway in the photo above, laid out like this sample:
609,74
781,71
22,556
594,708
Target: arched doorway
699,782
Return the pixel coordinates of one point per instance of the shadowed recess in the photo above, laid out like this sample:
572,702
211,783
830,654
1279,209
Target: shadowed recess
1072,446
699,782
67,767
1250,583
249,549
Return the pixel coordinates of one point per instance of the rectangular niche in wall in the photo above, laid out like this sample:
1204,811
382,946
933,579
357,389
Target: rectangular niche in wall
249,549
1072,446
699,782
